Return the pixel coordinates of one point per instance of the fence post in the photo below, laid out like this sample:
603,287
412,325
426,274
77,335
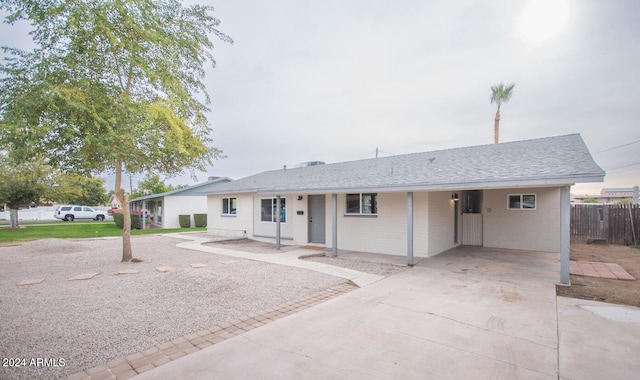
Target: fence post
605,223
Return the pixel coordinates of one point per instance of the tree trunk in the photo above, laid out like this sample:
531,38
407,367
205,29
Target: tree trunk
124,201
126,231
13,217
496,128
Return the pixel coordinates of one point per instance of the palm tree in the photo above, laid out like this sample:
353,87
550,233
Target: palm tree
500,94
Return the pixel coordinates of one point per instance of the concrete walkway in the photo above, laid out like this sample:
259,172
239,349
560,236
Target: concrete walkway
466,313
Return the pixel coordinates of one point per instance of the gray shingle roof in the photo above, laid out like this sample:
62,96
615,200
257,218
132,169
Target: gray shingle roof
199,189
560,160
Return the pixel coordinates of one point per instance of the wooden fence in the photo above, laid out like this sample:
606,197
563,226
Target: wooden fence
615,224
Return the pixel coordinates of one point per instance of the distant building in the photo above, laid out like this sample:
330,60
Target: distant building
607,195
617,191
309,163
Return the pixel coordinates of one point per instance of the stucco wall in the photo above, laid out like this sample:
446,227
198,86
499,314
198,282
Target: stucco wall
537,230
239,225
178,205
441,222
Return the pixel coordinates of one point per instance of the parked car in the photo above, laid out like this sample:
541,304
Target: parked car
71,212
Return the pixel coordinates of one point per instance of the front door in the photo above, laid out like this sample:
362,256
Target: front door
316,219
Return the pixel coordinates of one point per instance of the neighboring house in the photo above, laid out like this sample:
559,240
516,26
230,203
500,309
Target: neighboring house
113,202
164,208
610,195
511,195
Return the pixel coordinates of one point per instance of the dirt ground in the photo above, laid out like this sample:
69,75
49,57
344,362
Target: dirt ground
603,289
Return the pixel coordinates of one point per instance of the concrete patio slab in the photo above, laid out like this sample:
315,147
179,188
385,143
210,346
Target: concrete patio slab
598,340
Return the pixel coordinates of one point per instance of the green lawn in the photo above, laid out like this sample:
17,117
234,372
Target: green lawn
74,230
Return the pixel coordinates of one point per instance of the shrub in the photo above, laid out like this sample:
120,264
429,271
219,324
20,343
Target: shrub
184,220
135,221
118,218
200,220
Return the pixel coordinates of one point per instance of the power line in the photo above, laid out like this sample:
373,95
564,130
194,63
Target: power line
624,166
616,147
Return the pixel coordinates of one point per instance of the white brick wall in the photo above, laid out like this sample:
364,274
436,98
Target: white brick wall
441,222
240,225
537,230
420,224
269,228
386,233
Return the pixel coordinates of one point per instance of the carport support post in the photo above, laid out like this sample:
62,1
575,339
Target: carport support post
144,215
334,225
565,237
410,228
278,211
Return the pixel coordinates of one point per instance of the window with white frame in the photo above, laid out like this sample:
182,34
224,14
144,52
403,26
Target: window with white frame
229,206
268,209
522,202
362,204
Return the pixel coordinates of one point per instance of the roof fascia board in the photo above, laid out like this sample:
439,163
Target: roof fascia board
233,192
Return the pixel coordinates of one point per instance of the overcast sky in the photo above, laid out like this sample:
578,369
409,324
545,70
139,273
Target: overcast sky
334,80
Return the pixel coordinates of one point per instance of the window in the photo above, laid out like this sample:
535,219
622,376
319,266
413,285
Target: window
362,204
522,202
268,210
228,206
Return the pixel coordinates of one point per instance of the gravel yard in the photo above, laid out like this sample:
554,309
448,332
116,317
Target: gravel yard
359,264
90,322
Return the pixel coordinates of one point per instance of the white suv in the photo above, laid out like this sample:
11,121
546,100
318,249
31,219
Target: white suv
71,212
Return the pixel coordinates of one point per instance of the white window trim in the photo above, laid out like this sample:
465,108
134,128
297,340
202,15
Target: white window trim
360,205
274,199
522,195
229,206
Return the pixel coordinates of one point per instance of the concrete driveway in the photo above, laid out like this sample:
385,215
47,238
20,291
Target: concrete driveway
466,313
